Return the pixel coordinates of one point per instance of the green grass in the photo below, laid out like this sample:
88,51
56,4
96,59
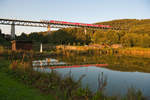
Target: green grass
11,89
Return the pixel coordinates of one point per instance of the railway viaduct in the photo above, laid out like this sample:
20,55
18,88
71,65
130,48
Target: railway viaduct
50,24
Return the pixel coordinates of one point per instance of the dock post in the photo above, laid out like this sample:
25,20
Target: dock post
41,49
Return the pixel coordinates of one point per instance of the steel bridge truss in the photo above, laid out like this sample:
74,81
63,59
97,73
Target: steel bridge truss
44,24
29,23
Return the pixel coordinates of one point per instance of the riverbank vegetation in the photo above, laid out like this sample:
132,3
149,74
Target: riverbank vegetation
90,50
11,89
122,60
20,69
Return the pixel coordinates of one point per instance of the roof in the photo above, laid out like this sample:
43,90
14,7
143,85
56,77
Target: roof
20,41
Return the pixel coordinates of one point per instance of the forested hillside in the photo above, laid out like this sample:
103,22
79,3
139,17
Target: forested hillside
133,25
137,34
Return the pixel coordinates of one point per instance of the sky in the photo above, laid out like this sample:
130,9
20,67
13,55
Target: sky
84,11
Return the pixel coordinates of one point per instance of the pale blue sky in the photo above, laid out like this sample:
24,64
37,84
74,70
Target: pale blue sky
85,11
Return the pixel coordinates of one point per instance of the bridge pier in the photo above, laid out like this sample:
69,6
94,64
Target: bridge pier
41,48
12,31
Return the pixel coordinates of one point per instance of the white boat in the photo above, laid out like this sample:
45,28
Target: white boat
47,62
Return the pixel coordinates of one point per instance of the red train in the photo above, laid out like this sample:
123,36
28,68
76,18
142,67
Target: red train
78,24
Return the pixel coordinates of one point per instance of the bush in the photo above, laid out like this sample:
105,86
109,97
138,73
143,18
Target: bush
1,49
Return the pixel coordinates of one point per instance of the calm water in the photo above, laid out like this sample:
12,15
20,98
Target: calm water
117,82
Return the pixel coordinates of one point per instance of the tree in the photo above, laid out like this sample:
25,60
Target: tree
145,41
112,37
0,31
99,37
130,40
23,36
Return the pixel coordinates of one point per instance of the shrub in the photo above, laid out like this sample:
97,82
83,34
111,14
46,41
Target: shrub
1,49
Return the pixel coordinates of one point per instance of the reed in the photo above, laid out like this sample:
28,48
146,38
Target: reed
83,50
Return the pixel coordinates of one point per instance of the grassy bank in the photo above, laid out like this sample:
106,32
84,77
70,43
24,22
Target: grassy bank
11,89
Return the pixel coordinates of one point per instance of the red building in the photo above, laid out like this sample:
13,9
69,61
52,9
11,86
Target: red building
21,45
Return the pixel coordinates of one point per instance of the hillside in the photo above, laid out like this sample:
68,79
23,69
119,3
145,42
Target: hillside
134,25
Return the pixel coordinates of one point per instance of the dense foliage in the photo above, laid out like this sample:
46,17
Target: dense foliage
136,34
3,41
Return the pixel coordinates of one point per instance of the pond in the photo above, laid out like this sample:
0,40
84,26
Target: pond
119,80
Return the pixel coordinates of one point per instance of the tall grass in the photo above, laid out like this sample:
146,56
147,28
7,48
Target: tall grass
81,50
141,52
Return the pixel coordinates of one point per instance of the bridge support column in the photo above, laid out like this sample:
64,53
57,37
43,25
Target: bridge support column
48,28
13,31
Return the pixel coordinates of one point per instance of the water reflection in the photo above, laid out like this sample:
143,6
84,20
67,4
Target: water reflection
117,82
47,62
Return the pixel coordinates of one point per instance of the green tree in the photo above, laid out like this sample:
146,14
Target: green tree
130,40
23,36
112,37
145,41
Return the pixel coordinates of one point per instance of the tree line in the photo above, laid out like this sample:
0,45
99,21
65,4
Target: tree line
77,36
